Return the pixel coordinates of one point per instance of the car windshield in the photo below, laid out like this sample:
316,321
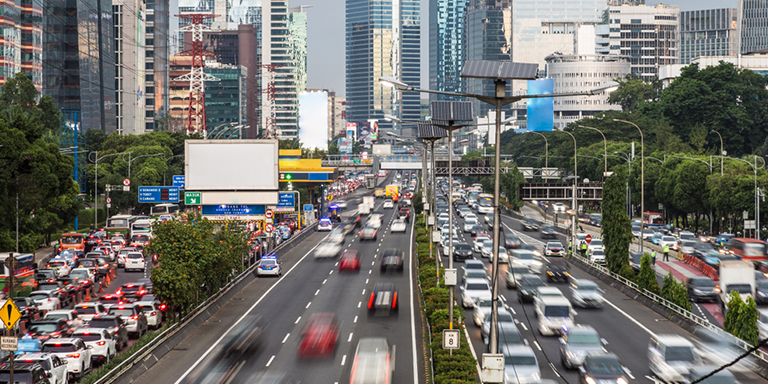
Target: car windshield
604,366
477,286
702,282
59,347
596,243
679,354
474,266
134,256
463,247
47,286
524,255
509,336
587,288
520,269
740,288
470,221
86,310
102,323
44,327
532,282
43,363
56,316
131,288
557,311
38,296
88,337
519,360
554,245
583,338
487,243
18,377
146,308
762,284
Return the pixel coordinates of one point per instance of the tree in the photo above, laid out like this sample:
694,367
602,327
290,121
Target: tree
646,279
675,292
633,93
698,138
731,318
616,230
747,320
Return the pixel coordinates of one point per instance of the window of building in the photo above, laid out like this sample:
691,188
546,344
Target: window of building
149,65
149,113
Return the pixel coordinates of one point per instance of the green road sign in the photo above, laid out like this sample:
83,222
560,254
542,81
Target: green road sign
192,198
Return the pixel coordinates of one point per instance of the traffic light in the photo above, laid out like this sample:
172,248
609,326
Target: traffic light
286,176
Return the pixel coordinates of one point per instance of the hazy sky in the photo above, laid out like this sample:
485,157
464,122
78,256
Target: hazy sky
326,42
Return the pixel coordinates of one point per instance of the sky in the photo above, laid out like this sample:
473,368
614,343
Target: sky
325,38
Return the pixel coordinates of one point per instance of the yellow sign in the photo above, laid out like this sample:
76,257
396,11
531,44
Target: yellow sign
330,197
10,314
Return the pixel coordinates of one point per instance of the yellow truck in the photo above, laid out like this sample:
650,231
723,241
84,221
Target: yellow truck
379,192
393,191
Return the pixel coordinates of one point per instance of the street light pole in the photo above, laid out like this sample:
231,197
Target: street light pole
575,201
642,182
546,154
96,183
722,152
605,147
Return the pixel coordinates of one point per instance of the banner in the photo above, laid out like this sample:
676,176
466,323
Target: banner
541,112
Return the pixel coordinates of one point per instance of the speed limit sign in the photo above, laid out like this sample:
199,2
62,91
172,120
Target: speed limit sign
450,339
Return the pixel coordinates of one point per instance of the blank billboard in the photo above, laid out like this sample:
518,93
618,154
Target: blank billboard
541,111
229,165
313,119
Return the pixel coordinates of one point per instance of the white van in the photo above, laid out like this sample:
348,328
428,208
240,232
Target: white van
670,357
555,314
142,227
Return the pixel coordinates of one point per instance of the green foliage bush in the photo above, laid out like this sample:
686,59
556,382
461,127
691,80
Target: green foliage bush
741,318
646,279
106,367
675,292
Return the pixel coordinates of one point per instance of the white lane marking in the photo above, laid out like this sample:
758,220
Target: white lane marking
308,304
369,271
337,263
363,291
359,303
504,299
366,281
536,343
553,368
216,343
631,318
413,321
285,338
355,320
325,281
297,320
270,360
373,262
350,337
331,272
343,360
316,292
523,325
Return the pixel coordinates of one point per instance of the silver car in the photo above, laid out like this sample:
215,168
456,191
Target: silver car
505,317
515,273
474,289
520,365
373,362
577,343
482,308
586,294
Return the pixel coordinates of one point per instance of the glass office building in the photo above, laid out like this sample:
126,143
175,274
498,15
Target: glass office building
156,40
382,39
78,59
22,43
226,100
753,25
708,32
447,46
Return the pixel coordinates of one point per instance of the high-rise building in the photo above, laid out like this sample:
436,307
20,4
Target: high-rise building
156,66
447,46
337,115
284,41
21,49
382,39
128,16
648,35
78,59
708,32
753,25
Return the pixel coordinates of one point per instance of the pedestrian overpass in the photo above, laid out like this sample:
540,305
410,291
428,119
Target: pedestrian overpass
410,162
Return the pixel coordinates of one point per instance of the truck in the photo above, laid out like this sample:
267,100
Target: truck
393,192
379,192
370,181
366,207
736,275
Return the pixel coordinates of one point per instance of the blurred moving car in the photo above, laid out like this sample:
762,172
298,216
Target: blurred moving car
327,249
391,260
472,290
515,273
383,300
557,269
374,362
702,288
244,339
548,232
586,293
350,261
520,365
368,233
398,226
603,368
576,343
319,337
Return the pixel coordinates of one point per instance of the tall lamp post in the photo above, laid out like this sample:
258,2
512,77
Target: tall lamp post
575,201
605,147
546,154
131,160
722,152
96,160
642,181
500,72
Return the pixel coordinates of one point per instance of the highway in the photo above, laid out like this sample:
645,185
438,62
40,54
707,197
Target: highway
308,286
625,324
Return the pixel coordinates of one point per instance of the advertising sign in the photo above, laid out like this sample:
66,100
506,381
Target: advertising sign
351,130
541,112
234,210
345,146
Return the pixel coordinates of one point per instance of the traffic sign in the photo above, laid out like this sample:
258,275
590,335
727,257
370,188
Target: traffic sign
451,339
126,182
9,343
330,197
109,200
11,263
179,181
268,214
10,314
269,228
286,199
158,194
588,239
193,198
308,207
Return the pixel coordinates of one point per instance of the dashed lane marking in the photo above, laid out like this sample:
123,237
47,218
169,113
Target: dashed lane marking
297,320
285,338
270,360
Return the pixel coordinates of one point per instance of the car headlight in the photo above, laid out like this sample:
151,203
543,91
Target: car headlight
621,380
590,380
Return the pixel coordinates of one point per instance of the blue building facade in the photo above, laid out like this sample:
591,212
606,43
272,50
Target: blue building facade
447,46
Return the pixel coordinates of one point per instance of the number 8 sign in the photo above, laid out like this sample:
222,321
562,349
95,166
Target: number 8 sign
450,339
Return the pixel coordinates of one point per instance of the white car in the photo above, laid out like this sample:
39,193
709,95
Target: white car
559,207
135,261
325,224
46,300
269,266
478,244
327,249
72,351
474,289
446,250
468,224
482,308
669,241
55,368
87,311
70,315
102,345
374,220
398,226
597,256
526,258
337,237
153,314
486,248
61,266
595,244
388,204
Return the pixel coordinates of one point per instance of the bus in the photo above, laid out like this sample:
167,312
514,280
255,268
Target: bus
164,209
749,249
653,219
484,203
73,241
142,227
120,224
24,272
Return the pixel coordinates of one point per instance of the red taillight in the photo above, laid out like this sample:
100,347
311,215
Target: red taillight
135,317
49,299
370,301
162,307
101,342
141,292
394,300
154,313
75,355
119,292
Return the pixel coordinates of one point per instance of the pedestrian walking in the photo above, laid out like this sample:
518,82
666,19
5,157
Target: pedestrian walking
653,259
666,252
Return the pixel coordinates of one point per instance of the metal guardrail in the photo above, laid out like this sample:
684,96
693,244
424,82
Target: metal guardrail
684,313
142,353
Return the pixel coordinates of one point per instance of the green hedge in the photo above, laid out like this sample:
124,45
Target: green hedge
460,366
122,356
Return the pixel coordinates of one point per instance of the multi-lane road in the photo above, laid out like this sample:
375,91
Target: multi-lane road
308,286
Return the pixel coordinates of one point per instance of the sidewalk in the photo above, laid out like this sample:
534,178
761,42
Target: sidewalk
41,253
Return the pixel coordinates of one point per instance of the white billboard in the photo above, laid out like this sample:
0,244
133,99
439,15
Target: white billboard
231,165
313,119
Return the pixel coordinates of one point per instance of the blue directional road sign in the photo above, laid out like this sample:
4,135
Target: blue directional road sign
178,181
286,199
234,210
308,207
158,194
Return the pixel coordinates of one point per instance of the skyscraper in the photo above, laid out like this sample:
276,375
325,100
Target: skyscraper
753,25
21,46
708,32
447,46
382,39
128,16
284,41
156,66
